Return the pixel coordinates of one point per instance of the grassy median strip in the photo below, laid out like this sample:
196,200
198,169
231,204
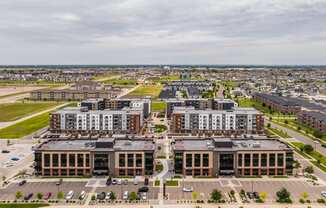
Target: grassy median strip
16,205
279,132
14,111
25,128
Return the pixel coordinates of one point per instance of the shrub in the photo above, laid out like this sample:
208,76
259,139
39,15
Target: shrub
308,148
309,169
216,195
60,195
321,201
301,201
283,196
19,194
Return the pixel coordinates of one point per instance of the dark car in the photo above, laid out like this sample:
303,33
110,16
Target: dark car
250,195
256,195
109,181
101,196
5,151
143,189
22,182
47,195
28,196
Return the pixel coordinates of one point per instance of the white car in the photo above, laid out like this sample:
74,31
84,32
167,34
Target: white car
119,181
125,195
323,193
108,196
184,189
144,196
82,195
69,195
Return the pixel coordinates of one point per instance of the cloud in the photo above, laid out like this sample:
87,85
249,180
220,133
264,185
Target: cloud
155,31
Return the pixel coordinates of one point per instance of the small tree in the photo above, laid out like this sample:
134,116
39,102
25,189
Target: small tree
60,195
286,121
269,125
216,195
305,195
39,195
283,196
113,196
318,134
308,148
93,198
309,169
263,196
194,195
19,194
133,196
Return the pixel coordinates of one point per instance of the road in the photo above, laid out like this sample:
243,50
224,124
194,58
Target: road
300,137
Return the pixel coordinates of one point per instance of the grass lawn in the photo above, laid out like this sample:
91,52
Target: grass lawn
157,183
23,205
164,78
244,102
14,111
121,81
147,90
172,183
316,155
159,128
280,133
158,106
25,128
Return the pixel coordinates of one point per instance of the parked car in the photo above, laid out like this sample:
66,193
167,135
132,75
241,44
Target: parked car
250,195
5,151
135,182
323,193
69,195
14,158
256,195
22,182
144,196
125,195
185,189
143,189
146,182
114,181
125,182
108,196
82,195
109,181
101,196
28,196
48,196
119,181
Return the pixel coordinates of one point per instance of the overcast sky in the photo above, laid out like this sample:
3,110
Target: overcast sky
162,32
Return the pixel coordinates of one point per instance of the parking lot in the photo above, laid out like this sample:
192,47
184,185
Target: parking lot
204,188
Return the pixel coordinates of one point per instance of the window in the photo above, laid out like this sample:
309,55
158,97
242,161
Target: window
55,160
80,160
64,160
280,160
130,160
72,172
197,160
255,160
139,160
122,160
72,160
87,160
188,160
178,163
247,159
240,160
205,160
271,159
46,160
263,160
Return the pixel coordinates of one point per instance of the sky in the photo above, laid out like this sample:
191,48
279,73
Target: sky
273,32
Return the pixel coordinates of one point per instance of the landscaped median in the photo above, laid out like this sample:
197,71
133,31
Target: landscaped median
17,205
279,132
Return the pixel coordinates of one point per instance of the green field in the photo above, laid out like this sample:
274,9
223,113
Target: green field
23,205
164,78
121,81
25,128
244,102
147,90
14,111
158,106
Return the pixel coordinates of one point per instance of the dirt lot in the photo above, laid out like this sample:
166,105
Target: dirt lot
12,90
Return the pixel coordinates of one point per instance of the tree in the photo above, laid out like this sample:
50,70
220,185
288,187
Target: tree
309,169
318,134
269,125
39,195
113,196
283,196
263,196
60,195
19,194
305,195
133,196
308,148
286,121
194,195
216,195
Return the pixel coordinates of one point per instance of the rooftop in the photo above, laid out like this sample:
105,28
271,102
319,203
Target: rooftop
236,110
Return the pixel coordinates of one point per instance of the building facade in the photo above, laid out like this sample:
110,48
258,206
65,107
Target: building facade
82,120
105,156
313,119
235,121
218,156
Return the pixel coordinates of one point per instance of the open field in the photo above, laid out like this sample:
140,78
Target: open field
147,90
23,205
9,90
25,128
121,81
14,111
158,106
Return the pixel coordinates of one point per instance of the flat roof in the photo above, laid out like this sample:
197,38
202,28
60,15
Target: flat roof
84,110
237,110
228,144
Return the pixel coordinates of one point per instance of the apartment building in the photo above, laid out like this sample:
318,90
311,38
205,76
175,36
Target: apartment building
82,120
224,156
313,119
200,104
234,121
104,156
120,103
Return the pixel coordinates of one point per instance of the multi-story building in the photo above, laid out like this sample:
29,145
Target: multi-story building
120,103
313,119
200,104
223,156
235,121
82,120
105,156
93,104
